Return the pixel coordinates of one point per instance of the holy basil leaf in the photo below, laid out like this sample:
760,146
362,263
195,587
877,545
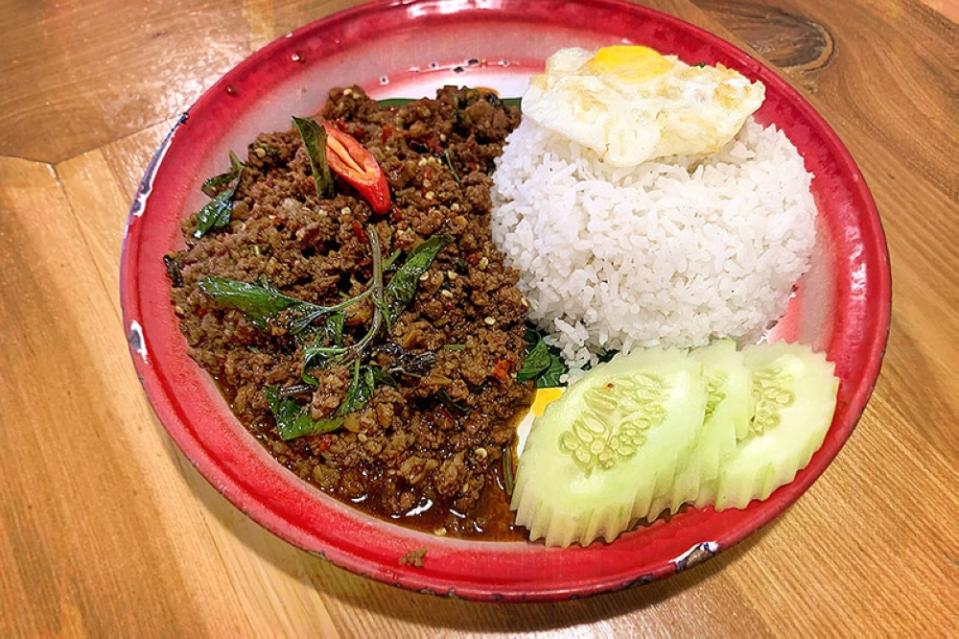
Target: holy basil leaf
360,390
537,360
260,301
334,327
394,102
216,213
543,362
293,420
212,186
549,378
314,139
327,344
402,287
382,377
303,315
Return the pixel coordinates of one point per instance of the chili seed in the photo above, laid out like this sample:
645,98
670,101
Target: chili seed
481,453
446,293
430,195
454,206
489,321
346,210
260,153
483,263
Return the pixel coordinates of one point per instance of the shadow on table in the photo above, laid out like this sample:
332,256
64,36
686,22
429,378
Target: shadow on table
388,604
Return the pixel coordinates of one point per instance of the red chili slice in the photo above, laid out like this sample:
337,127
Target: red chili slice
501,370
354,163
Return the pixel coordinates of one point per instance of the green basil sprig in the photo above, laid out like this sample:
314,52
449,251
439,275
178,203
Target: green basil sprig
216,213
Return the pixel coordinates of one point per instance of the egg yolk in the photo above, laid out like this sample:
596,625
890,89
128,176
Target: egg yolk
629,62
544,396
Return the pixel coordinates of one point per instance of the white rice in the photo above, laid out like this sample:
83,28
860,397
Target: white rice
661,254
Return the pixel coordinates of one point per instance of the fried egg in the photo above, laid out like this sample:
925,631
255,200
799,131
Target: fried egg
630,104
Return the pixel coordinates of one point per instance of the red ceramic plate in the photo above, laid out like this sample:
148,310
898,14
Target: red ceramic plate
408,49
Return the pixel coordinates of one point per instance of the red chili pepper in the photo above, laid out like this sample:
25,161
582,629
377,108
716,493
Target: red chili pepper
352,162
386,133
501,370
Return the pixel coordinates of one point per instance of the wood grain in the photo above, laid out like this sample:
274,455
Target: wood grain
106,530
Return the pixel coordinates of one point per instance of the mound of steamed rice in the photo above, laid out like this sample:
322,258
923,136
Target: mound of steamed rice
666,253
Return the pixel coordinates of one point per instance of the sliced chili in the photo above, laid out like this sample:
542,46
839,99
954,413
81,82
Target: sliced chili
354,163
501,370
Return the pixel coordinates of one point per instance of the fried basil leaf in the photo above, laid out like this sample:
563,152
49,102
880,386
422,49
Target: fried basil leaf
331,333
261,301
293,420
537,357
402,287
212,186
216,213
543,362
360,390
314,139
550,377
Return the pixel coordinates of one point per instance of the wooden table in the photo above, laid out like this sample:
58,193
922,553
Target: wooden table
106,530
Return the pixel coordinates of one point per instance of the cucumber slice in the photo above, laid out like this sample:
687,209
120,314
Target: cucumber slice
728,410
725,370
794,391
599,455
